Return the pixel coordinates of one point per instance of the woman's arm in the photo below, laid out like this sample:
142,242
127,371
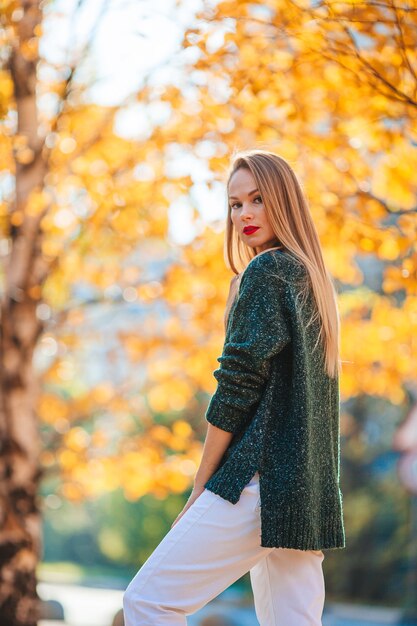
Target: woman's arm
258,330
215,445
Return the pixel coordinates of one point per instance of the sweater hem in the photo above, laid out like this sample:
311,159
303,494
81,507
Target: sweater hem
285,526
229,485
290,527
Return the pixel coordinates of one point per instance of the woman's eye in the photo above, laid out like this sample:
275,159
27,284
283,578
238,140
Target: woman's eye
236,204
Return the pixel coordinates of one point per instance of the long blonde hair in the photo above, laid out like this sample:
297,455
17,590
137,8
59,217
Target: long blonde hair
288,214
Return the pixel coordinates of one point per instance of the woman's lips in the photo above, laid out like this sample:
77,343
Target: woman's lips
250,229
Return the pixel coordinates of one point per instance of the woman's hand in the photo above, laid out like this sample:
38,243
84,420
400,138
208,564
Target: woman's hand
196,492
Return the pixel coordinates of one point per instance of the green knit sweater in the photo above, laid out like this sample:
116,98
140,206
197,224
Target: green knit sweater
275,396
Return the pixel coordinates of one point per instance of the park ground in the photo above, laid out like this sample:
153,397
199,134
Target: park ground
95,606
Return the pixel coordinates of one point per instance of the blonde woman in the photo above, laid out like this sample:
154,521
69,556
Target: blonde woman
266,497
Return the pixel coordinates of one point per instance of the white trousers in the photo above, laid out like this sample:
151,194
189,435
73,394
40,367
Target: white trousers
211,546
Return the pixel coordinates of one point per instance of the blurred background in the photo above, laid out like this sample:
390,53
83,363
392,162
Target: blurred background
117,123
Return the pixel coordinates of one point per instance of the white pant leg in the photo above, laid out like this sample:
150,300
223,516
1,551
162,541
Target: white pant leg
213,544
288,588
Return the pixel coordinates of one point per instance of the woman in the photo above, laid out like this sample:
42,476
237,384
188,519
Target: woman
266,496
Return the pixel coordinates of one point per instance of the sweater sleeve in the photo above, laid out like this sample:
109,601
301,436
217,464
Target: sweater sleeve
257,330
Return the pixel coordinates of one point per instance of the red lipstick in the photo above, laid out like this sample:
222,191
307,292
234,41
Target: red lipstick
248,230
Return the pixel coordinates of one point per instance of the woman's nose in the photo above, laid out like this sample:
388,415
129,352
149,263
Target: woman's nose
246,211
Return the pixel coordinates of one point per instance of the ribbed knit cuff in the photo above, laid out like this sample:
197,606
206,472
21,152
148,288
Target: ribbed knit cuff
223,415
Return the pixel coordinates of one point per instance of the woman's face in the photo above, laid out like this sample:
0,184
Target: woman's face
247,209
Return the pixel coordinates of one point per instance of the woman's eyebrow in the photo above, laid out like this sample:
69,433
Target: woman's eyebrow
249,194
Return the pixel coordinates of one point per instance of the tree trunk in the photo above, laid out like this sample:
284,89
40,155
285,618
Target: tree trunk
20,519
